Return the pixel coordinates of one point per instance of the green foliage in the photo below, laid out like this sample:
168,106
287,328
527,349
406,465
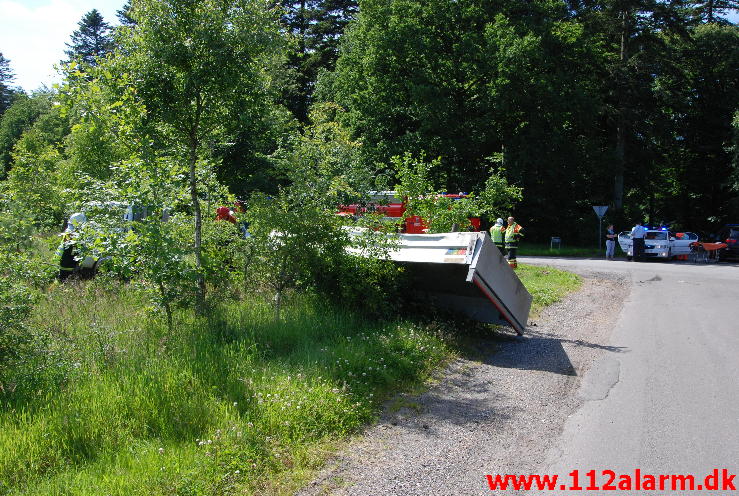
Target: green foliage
697,101
441,213
316,27
197,68
19,118
25,272
325,159
234,403
735,149
547,285
298,239
198,65
16,303
293,234
31,136
154,252
32,184
226,256
549,90
92,41
16,227
408,88
6,78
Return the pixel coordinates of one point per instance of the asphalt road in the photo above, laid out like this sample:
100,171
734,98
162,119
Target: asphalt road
637,370
667,401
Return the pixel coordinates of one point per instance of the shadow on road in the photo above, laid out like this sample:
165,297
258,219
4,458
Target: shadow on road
461,408
539,351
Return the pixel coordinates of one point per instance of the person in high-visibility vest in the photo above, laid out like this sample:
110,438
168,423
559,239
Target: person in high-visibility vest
67,251
497,232
512,235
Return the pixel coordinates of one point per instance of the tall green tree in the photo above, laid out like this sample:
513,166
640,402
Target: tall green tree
32,184
91,41
6,80
316,27
124,15
197,67
698,96
631,37
711,11
475,83
19,118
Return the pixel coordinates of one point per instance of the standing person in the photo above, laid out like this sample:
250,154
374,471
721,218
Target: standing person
610,242
497,232
67,251
637,238
512,235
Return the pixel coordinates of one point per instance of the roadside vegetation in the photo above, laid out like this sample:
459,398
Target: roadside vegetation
547,285
117,403
110,400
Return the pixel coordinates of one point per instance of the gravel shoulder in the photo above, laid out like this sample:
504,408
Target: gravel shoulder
501,412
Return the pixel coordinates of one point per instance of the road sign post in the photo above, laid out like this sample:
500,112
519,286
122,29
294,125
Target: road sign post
600,211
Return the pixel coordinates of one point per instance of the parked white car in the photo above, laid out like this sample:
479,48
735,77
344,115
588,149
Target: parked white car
659,243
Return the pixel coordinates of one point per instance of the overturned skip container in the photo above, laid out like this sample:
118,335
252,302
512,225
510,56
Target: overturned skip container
465,272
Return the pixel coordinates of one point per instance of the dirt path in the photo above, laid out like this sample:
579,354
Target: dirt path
500,414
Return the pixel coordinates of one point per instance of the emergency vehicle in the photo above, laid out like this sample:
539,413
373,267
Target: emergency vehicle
659,243
393,208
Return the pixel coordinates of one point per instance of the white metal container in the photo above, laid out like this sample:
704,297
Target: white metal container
465,272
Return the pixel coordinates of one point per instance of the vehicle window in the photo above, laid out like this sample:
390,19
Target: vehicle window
734,233
656,235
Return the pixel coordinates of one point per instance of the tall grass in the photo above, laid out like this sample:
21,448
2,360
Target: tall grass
116,404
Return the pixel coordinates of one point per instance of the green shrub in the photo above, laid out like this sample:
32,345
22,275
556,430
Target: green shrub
16,302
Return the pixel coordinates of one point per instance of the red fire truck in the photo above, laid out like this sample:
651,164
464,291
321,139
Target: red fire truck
393,208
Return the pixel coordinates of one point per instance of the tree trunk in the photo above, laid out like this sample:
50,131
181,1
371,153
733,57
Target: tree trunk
302,28
618,179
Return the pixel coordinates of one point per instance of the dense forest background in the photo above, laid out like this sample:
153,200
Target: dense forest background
627,103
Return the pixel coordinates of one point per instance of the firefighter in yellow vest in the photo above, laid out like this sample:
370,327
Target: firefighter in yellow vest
512,235
67,251
497,232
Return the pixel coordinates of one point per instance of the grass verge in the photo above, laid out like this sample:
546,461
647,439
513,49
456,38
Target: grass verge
547,285
116,404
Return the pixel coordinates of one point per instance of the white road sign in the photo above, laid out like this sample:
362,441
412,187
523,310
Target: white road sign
600,210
